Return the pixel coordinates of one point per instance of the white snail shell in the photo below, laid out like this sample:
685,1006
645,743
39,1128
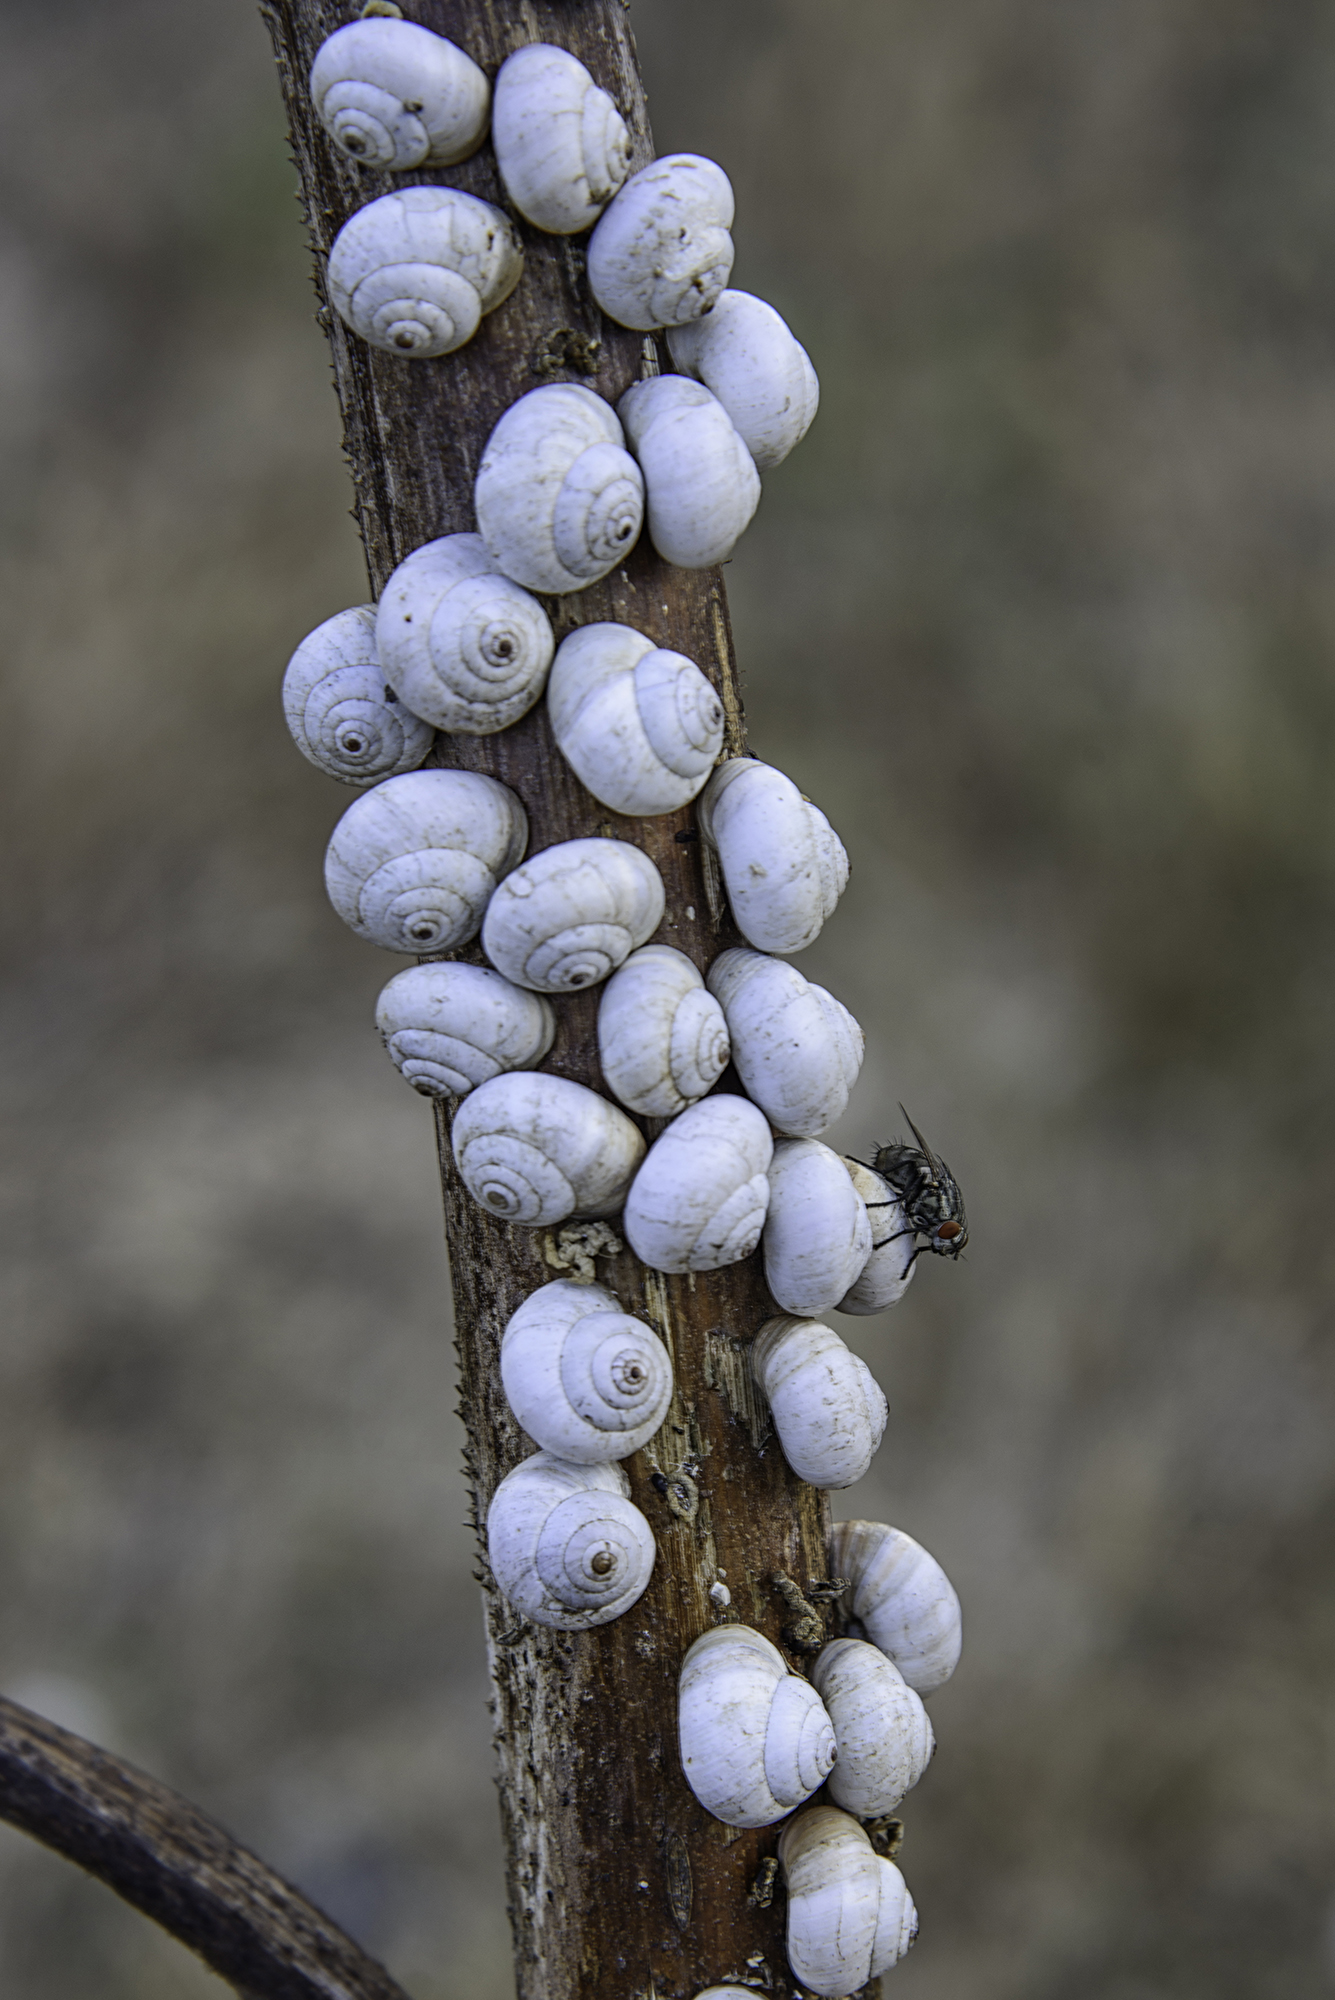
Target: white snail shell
743,351
534,1148
661,253
699,1200
561,144
887,1273
572,913
783,865
662,1039
415,271
413,863
566,1544
755,1739
560,501
827,1407
461,644
880,1725
850,1915
393,95
797,1049
449,1028
902,1598
701,484
588,1382
341,714
640,726
817,1234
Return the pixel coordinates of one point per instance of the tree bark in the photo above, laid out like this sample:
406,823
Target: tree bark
620,1884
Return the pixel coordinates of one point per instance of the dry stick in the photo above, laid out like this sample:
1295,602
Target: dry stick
178,1866
620,1884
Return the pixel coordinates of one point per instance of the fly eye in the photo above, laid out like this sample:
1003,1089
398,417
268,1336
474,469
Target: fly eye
948,1232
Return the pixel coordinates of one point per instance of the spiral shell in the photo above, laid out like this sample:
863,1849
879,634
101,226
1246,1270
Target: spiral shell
392,95
415,271
565,1543
341,714
533,1149
782,863
850,1915
797,1049
744,352
885,1277
572,913
449,1028
413,864
699,1200
880,1725
817,1236
755,1740
588,1382
662,1040
902,1598
701,484
639,726
560,501
827,1408
561,144
460,643
661,253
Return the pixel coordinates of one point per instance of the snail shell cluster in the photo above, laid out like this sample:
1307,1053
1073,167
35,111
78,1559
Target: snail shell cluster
850,1915
560,501
797,1049
744,352
661,253
341,714
827,1407
572,914
699,1200
640,727
392,95
902,1598
817,1233
449,1028
566,1544
701,483
588,1382
885,1276
884,1739
461,644
662,1039
533,1149
561,144
782,863
413,863
415,271
755,1739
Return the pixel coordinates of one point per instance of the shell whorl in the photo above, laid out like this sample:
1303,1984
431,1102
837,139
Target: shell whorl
880,1725
561,144
755,1740
533,1149
339,710
745,353
560,501
565,1543
662,1039
850,1915
661,253
414,862
587,1381
572,914
448,1028
640,726
888,1272
782,864
699,1201
414,271
462,644
902,1598
817,1232
701,484
392,95
798,1050
828,1409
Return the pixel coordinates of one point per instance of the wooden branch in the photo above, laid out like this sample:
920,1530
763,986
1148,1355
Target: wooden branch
178,1866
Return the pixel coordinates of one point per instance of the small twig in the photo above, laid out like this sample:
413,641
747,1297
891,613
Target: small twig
175,1864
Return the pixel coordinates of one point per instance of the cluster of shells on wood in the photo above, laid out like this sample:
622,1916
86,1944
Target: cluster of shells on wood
425,860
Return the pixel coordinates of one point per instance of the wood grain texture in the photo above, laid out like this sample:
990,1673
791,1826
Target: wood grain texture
620,1884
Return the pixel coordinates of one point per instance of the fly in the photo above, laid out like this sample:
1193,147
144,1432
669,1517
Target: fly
927,1192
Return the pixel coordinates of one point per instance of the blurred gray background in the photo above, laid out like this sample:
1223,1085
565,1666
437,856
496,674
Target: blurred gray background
1043,614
